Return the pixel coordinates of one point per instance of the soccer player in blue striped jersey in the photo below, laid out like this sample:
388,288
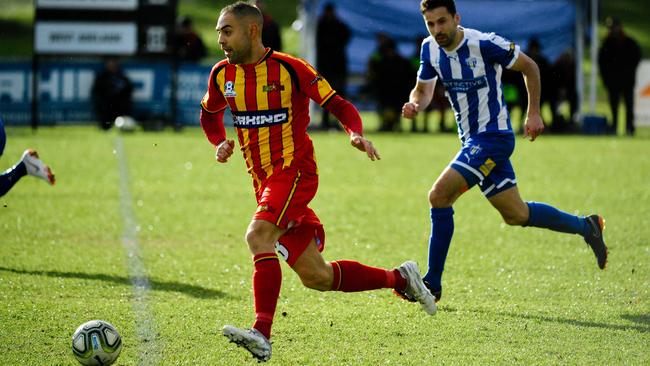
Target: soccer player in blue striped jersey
470,63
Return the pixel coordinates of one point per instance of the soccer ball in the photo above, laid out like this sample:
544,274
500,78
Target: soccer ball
125,123
96,343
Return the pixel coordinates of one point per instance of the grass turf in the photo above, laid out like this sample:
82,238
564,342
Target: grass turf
511,295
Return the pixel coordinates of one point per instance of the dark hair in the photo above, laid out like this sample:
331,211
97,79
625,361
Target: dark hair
427,5
242,9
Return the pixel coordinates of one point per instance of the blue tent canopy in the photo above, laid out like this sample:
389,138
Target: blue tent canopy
552,22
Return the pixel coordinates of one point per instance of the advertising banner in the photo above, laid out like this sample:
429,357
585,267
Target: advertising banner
86,38
65,91
88,4
642,95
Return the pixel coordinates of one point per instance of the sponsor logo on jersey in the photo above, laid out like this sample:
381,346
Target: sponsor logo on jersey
487,167
274,86
465,85
256,119
229,89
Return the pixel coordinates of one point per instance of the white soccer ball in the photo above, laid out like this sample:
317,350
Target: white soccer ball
96,343
125,124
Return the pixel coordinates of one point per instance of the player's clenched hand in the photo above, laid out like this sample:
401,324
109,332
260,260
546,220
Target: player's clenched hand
533,126
224,150
410,110
364,144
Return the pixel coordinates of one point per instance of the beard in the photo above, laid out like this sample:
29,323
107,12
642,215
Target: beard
445,40
239,56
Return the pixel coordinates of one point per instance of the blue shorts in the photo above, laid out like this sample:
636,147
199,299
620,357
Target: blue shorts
3,137
485,160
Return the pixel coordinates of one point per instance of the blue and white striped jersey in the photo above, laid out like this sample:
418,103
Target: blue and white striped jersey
471,75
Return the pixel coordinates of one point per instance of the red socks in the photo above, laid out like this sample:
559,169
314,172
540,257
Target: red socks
267,279
352,276
349,276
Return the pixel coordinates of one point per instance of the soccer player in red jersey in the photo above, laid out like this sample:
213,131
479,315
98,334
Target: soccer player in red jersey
268,94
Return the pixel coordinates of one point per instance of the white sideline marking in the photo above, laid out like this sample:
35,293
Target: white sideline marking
145,324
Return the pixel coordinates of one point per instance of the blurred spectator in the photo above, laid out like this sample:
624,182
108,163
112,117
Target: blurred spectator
534,51
618,59
188,45
564,83
390,77
439,101
332,38
111,93
270,29
514,94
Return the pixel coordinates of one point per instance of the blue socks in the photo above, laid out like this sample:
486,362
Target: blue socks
442,229
11,176
549,217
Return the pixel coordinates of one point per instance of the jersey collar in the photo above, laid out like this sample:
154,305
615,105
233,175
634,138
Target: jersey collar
460,44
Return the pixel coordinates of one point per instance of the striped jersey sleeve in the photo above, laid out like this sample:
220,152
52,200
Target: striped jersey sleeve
213,101
310,82
426,72
500,50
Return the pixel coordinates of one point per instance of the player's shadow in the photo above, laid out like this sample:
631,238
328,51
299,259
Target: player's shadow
642,326
155,285
643,319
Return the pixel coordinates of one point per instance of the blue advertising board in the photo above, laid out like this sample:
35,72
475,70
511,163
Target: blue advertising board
64,91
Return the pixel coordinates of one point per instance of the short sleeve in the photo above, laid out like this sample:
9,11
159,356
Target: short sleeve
500,50
213,101
426,72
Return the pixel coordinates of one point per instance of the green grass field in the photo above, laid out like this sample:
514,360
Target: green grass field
512,295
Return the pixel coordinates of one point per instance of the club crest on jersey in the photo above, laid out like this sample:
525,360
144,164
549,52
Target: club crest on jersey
475,149
229,89
471,62
274,86
257,119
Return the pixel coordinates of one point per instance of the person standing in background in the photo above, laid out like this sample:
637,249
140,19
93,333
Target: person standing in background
618,59
111,93
270,29
188,45
332,38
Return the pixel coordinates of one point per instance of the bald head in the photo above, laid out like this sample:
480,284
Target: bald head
244,11
240,33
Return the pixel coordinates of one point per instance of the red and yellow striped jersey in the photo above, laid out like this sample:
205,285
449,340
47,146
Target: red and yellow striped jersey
269,102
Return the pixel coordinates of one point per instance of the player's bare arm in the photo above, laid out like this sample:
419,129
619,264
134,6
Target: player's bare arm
364,144
534,125
419,98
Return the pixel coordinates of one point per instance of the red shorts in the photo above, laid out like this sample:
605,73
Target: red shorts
283,200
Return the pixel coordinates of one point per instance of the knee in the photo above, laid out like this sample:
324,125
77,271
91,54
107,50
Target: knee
438,199
316,280
515,218
259,240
